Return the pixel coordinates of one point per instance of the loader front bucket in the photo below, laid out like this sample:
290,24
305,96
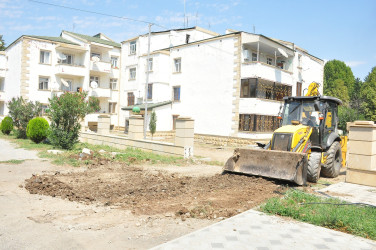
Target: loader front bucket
289,166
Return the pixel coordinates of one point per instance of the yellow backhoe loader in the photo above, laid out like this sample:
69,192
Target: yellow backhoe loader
306,145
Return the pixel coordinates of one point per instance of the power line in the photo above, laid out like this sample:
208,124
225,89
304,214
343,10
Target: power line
97,13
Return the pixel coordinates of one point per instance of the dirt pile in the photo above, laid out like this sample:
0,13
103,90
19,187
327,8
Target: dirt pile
153,192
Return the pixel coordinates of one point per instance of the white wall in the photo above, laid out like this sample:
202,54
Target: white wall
206,81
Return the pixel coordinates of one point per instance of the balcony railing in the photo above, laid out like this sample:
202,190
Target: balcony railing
69,69
100,92
269,72
104,67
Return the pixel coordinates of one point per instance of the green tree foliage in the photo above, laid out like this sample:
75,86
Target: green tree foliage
6,125
356,100
22,112
347,114
368,95
37,129
335,70
2,43
340,91
65,113
153,123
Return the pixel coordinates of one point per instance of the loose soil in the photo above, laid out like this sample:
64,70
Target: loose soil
151,191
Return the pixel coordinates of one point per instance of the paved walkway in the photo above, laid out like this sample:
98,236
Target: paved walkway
256,230
9,151
352,193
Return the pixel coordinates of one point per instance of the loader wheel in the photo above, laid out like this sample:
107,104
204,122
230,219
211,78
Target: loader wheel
314,167
332,166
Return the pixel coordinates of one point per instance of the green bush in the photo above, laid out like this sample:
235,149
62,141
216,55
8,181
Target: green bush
6,125
37,129
65,113
22,112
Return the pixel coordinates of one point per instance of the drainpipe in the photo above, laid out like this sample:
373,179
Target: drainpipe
146,84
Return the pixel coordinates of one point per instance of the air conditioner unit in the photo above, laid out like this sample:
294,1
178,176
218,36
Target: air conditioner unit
247,55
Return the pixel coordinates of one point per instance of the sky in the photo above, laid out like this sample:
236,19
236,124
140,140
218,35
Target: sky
329,29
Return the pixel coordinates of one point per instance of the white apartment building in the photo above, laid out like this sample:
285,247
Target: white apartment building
40,66
3,69
134,67
231,85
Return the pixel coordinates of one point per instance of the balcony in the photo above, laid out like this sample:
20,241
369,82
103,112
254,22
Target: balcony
2,96
103,67
266,71
100,92
70,69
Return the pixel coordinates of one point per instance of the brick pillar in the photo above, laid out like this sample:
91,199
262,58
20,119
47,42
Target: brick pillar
136,127
104,123
184,135
361,165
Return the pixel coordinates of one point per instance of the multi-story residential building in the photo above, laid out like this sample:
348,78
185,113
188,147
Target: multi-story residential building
40,66
134,67
3,69
232,85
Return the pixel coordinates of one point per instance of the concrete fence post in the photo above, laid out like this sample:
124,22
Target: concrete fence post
104,123
136,127
184,135
361,165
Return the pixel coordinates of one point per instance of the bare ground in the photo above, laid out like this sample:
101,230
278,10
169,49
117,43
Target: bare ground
154,191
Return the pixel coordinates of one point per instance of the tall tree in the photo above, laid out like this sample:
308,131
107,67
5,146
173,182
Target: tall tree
368,94
356,100
340,91
2,43
334,70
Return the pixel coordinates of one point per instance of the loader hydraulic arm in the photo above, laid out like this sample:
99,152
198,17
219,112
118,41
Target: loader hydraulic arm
313,89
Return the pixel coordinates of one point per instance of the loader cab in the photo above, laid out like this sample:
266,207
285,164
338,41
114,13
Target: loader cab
318,112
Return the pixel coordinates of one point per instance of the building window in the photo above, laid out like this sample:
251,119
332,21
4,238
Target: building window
93,54
150,91
299,61
94,79
112,107
176,90
44,57
298,89
187,36
150,64
132,74
43,83
177,63
114,62
269,61
130,98
132,48
44,108
66,59
2,105
258,123
65,82
254,57
113,83
261,88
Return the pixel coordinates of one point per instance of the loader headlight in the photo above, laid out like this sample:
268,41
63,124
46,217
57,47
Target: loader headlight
281,141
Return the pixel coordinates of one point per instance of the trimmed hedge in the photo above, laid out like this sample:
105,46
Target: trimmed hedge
37,129
6,125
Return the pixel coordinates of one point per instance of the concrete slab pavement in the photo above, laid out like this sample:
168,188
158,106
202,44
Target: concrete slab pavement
256,230
9,151
352,193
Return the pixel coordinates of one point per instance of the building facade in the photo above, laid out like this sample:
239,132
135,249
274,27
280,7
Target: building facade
231,84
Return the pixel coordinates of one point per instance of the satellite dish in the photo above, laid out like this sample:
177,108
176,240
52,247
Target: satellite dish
61,56
65,83
55,86
95,59
283,53
94,84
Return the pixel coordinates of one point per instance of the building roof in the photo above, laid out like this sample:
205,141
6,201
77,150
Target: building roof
150,105
166,31
94,39
53,39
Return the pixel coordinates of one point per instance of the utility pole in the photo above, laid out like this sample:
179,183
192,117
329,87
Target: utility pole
147,83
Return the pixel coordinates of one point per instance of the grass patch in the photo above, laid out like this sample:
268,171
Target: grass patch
353,219
13,161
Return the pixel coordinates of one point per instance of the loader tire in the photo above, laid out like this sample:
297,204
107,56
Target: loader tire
332,166
314,167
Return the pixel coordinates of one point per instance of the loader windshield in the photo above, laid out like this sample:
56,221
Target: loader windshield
304,112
